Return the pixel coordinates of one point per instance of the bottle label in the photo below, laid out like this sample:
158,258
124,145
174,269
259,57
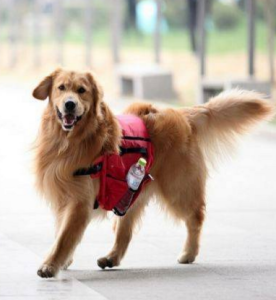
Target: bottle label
133,181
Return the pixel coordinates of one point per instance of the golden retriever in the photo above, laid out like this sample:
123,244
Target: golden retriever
78,126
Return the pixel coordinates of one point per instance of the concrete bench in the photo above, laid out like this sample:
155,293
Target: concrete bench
146,82
210,88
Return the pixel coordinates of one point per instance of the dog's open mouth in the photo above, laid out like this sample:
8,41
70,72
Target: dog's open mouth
68,120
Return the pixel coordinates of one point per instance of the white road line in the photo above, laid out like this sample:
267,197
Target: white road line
18,277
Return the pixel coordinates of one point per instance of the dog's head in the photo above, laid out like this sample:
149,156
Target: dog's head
71,94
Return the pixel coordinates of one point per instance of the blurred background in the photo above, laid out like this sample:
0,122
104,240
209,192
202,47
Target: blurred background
172,53
192,48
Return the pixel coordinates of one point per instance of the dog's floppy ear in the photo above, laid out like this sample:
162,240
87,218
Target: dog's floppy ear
97,91
43,89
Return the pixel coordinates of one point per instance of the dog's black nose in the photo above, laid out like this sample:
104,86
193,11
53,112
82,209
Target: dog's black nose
70,105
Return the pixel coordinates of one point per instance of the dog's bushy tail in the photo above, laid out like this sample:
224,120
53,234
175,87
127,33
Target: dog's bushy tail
226,116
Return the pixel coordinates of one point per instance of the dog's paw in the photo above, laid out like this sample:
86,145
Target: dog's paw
107,262
47,271
186,258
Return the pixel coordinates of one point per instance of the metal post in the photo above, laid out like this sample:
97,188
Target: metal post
58,15
157,32
88,31
201,47
116,28
251,7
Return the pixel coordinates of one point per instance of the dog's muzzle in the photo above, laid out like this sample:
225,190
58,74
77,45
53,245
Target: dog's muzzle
69,119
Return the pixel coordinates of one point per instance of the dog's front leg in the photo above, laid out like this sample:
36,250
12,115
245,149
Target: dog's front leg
75,220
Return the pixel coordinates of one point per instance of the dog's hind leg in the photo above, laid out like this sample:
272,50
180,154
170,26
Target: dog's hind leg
193,218
194,224
123,233
184,199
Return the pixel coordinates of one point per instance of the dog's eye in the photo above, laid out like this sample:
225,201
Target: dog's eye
62,87
81,90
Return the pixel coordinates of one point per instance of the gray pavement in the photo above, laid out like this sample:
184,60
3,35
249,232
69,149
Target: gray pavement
237,258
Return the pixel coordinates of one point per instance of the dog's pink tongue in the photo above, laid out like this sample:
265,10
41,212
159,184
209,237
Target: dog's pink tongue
69,119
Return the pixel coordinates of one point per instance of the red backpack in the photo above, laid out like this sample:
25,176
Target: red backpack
113,168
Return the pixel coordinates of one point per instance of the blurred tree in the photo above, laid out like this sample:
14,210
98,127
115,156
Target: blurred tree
176,13
193,8
260,14
130,19
241,4
226,16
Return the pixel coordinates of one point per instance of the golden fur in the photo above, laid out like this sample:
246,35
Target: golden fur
186,139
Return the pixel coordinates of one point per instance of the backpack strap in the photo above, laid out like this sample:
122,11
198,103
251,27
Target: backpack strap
95,169
137,138
140,150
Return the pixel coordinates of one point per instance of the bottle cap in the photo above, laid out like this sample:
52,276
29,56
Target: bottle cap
142,162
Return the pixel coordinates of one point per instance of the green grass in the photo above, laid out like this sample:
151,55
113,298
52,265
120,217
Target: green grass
236,40
218,42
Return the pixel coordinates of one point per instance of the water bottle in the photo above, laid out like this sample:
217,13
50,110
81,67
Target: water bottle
134,178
